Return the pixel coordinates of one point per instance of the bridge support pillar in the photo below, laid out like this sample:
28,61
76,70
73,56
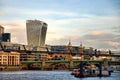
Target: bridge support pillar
81,69
105,63
43,65
100,69
71,65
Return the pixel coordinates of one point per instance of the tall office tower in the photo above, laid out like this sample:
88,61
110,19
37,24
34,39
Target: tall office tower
1,32
36,32
6,37
1,29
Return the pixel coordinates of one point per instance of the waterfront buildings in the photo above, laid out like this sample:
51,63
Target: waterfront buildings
58,48
76,51
27,56
36,32
58,52
43,56
9,58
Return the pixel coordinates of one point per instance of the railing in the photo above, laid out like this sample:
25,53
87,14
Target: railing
67,61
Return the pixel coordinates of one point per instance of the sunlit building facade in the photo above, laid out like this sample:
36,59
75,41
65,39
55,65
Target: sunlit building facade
36,32
9,59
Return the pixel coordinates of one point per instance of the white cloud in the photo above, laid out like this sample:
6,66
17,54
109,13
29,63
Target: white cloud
116,29
82,26
2,14
39,12
114,43
100,41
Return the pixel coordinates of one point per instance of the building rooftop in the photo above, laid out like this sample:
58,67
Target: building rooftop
30,21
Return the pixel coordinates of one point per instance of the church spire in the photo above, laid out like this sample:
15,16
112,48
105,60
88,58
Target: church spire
69,47
81,44
69,44
81,51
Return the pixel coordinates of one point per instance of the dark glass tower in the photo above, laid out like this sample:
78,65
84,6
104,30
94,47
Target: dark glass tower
6,37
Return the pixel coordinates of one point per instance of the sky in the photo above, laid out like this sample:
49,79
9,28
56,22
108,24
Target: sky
95,23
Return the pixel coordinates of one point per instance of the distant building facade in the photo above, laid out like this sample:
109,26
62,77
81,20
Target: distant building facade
76,51
6,37
36,32
9,59
1,29
59,48
1,32
27,57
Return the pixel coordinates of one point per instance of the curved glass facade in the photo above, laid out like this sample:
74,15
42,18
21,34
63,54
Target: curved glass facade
36,32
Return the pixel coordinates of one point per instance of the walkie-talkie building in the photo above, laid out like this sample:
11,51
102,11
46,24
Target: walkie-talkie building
36,32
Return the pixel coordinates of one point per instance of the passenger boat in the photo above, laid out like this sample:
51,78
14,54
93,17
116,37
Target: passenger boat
91,72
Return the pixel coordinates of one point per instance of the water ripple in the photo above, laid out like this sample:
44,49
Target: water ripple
50,75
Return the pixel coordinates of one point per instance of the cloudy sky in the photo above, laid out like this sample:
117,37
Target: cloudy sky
95,23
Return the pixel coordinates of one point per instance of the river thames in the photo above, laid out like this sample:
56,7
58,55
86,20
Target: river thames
50,75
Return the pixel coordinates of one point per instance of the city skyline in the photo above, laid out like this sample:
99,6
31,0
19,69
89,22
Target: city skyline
95,23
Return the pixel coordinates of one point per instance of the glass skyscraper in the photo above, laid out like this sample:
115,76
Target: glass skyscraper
1,32
36,32
6,37
1,29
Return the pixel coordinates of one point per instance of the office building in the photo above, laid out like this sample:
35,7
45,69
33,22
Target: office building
36,32
6,37
9,59
1,29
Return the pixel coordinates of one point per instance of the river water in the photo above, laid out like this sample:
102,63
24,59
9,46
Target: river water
50,75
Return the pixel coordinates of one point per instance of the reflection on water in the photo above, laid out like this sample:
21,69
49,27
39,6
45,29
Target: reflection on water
50,75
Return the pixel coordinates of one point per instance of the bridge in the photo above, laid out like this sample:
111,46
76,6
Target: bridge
67,61
69,64
51,63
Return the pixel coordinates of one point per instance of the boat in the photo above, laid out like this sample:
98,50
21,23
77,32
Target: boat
75,72
91,72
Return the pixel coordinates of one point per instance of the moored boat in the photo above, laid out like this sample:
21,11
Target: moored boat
75,72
